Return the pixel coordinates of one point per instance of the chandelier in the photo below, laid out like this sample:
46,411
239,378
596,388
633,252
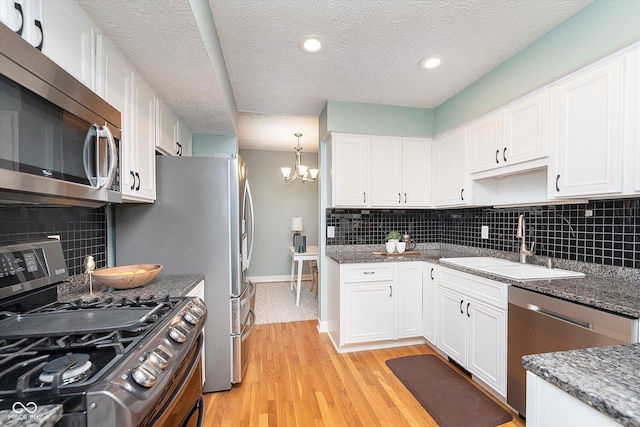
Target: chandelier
300,171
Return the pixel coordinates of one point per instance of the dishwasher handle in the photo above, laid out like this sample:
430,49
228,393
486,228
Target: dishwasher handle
559,316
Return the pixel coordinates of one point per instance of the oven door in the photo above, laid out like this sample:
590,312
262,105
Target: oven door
243,321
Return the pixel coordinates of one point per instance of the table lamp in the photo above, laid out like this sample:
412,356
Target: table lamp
299,242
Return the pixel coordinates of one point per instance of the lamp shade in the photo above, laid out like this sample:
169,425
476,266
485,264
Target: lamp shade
296,223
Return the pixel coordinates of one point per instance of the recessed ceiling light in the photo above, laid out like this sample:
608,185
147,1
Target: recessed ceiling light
312,44
429,62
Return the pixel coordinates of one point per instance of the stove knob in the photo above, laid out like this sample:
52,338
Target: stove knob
191,316
177,334
145,375
158,360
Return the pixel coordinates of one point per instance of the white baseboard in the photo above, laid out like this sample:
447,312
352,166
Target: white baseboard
323,326
280,278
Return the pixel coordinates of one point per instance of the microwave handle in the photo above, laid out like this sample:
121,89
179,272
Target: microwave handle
91,133
113,153
95,180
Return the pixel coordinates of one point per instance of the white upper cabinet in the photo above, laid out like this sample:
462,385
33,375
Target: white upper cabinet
25,18
144,140
69,39
166,129
400,172
184,139
350,174
416,173
381,172
511,136
450,183
525,123
386,179
485,143
588,134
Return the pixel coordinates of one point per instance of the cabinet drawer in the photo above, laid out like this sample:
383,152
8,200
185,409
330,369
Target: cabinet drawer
368,272
488,291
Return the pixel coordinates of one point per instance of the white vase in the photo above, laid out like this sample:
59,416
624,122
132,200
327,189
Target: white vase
391,246
400,247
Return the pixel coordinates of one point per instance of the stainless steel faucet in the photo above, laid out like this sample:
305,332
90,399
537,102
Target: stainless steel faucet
521,234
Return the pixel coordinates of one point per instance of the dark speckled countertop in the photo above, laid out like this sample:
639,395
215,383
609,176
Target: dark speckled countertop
162,285
605,378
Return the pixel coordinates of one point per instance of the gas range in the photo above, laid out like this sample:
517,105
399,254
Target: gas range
108,362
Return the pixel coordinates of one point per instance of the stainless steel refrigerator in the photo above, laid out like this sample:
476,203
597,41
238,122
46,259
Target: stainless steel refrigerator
201,222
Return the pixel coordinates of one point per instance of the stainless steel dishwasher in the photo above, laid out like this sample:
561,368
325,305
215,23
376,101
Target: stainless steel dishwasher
540,324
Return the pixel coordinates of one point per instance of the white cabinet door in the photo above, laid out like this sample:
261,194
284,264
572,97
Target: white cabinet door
408,298
69,39
184,138
429,313
416,173
114,83
525,129
487,337
15,15
589,131
350,174
144,139
166,129
385,172
450,170
368,312
485,143
452,325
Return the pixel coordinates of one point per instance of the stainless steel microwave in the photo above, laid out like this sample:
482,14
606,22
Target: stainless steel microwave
59,141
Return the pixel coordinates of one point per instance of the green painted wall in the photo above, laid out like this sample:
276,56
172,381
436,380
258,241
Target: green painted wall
275,202
205,145
599,29
373,119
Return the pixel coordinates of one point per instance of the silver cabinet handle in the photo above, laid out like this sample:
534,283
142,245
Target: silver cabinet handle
399,198
432,273
405,198
461,301
368,272
364,197
390,291
468,304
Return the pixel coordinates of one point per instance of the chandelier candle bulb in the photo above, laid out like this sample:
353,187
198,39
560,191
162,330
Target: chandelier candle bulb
300,171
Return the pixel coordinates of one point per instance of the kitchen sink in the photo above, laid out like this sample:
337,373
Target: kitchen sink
511,269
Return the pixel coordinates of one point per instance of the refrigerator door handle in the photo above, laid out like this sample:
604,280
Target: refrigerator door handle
248,198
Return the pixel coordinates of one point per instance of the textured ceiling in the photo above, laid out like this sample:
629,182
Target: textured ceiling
372,52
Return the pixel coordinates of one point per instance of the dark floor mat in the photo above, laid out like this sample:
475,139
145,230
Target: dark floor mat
448,397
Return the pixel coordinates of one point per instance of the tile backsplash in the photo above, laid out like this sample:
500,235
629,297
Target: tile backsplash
601,232
83,231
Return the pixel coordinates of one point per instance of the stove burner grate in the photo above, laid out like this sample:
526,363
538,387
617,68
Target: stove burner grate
66,369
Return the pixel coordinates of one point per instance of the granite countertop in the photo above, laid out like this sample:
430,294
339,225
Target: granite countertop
604,292
162,285
605,378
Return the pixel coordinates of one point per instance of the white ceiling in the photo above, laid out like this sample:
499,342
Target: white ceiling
372,52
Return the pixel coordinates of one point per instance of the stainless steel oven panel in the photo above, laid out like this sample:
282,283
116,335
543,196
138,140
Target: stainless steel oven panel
240,307
30,69
54,261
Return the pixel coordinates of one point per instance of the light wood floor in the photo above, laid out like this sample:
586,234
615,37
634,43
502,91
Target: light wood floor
296,378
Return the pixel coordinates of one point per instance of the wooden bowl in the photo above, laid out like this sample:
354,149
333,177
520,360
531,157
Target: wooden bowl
127,276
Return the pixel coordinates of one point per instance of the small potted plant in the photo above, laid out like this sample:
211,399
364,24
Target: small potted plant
393,237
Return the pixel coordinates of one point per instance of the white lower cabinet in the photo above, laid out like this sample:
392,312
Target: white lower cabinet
375,305
408,299
548,406
429,312
472,325
368,312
